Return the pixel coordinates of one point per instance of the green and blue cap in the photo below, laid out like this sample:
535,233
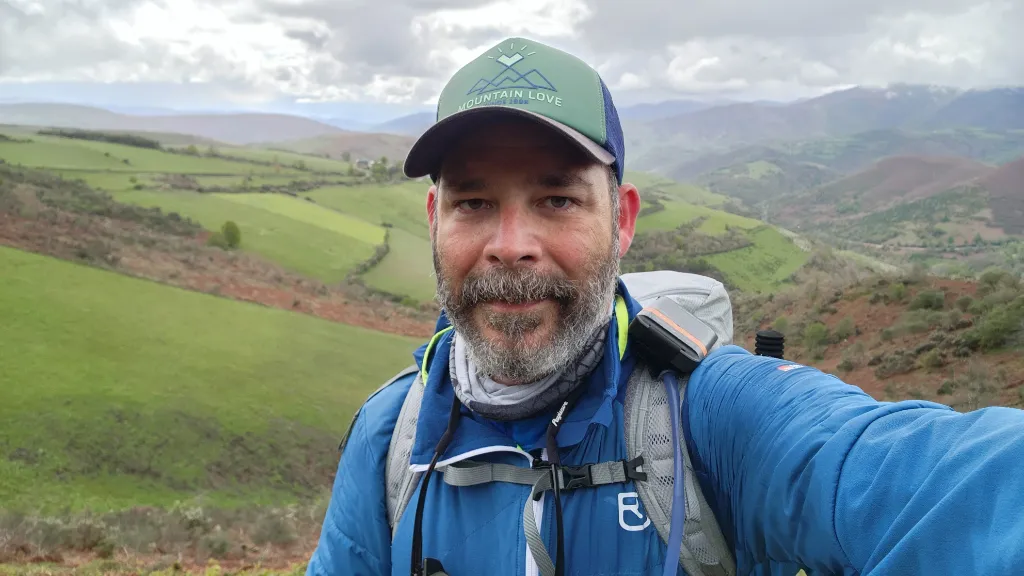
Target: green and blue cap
524,78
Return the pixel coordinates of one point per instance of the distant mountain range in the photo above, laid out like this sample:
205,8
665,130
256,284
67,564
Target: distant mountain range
913,201
671,145
240,128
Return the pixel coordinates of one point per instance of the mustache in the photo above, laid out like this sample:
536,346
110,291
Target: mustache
516,286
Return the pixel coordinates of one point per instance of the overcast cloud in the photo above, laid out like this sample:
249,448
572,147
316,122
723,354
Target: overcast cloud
400,51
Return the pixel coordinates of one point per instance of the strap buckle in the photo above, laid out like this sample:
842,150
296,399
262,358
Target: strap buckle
635,468
576,477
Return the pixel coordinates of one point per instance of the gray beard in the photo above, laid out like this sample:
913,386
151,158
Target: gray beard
582,308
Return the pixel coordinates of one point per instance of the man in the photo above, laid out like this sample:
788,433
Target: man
529,216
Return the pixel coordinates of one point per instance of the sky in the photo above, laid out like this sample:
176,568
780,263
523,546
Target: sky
377,59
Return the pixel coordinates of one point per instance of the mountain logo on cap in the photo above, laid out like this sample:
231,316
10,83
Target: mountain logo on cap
510,77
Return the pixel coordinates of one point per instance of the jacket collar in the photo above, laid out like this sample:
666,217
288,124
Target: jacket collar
476,434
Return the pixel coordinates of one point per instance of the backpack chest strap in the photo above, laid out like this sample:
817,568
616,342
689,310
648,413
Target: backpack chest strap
471,473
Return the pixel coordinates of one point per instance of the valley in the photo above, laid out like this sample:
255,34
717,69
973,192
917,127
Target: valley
198,304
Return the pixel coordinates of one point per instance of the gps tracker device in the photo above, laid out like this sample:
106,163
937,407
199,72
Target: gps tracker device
669,337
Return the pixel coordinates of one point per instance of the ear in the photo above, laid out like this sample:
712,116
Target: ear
431,205
629,209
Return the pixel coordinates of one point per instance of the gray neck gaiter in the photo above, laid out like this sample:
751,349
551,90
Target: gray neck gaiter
499,402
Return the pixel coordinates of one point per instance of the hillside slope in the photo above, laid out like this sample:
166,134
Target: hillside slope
150,370
368,146
894,180
231,128
954,342
943,204
1005,188
847,112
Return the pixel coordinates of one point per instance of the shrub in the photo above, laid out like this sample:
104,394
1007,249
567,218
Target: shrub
963,303
994,277
929,300
1000,325
218,240
932,359
897,292
815,335
844,329
781,324
232,234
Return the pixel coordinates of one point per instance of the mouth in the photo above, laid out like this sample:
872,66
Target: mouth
506,306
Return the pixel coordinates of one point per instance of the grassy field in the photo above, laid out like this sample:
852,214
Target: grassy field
304,238
310,213
143,394
651,185
285,159
402,205
407,270
676,213
764,266
340,228
67,153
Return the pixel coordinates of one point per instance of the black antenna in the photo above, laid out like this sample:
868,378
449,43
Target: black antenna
770,343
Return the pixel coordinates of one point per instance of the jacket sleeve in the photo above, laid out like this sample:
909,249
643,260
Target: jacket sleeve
802,468
355,538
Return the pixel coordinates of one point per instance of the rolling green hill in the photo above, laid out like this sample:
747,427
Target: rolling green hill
142,394
313,217
64,153
299,236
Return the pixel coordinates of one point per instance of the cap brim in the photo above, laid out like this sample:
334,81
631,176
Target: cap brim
426,155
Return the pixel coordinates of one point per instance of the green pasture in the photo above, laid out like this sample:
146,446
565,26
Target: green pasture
402,205
308,212
408,268
765,265
650,185
677,213
128,392
74,154
286,230
286,159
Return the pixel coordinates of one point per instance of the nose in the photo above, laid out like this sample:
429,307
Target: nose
515,240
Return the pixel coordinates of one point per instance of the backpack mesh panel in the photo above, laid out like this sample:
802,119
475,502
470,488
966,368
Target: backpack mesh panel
400,480
649,432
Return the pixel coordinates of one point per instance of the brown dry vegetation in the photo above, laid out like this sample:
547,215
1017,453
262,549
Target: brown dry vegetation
903,337
181,539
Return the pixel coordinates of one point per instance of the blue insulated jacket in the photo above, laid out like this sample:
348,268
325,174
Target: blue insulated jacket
801,469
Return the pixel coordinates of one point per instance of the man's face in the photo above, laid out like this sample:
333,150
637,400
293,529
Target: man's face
526,247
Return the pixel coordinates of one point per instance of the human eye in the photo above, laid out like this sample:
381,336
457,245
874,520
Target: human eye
559,202
471,204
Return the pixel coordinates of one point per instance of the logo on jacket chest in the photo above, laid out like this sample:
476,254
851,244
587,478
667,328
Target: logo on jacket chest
631,518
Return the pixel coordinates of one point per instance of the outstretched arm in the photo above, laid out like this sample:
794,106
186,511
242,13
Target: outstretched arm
804,468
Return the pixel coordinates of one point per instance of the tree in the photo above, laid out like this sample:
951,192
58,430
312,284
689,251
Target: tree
232,234
346,156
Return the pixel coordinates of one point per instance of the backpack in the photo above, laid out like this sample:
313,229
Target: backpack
648,430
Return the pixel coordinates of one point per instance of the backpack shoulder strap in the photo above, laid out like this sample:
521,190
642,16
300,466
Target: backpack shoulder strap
648,431
400,480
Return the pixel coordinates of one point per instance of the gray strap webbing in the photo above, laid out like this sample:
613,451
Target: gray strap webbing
470,473
537,549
